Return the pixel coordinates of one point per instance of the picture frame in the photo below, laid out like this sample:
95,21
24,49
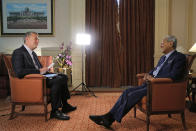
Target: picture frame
21,16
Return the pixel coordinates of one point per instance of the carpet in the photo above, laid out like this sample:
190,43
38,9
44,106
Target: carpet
89,105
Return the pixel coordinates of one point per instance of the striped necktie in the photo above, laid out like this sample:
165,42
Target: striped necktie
161,60
36,60
159,66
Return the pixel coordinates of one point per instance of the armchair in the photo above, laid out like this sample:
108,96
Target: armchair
30,90
164,96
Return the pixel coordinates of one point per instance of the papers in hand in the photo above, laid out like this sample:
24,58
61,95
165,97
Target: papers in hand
50,75
51,65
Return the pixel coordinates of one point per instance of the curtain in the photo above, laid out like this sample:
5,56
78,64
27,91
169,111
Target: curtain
100,55
137,38
116,55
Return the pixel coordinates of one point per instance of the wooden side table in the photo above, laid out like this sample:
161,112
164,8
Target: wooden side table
191,90
193,87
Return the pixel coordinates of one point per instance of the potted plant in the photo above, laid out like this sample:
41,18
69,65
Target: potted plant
63,61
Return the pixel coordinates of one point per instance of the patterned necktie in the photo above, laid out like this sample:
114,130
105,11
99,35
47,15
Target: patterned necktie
36,60
161,60
159,66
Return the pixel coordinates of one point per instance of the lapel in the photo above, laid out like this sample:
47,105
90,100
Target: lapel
27,56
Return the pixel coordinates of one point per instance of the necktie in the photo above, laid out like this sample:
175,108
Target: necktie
159,65
36,60
161,60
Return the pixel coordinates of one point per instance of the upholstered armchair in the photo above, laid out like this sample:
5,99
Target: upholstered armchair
164,96
30,90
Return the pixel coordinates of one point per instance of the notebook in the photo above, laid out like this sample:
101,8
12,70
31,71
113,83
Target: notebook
50,75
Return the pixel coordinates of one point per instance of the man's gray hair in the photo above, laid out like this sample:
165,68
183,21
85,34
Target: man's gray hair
27,34
171,38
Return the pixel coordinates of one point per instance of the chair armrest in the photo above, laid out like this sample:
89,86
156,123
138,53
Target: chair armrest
30,76
30,89
140,78
141,75
161,80
167,95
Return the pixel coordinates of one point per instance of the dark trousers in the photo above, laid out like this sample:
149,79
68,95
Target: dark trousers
58,91
127,100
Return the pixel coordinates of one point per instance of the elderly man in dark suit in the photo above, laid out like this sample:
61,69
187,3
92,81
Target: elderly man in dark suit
172,65
25,61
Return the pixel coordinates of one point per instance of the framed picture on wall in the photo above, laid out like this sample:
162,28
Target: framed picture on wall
21,16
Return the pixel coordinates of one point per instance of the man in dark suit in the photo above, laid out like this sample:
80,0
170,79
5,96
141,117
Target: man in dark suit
25,61
172,65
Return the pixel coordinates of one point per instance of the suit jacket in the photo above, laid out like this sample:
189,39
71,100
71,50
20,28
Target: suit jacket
174,67
22,63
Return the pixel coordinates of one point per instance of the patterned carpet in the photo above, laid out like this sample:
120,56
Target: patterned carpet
79,121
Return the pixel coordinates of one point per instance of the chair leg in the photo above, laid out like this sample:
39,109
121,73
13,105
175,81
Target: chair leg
169,115
135,112
147,121
12,111
45,112
183,120
23,108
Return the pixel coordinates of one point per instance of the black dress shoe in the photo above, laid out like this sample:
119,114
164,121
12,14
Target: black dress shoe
68,108
59,115
101,120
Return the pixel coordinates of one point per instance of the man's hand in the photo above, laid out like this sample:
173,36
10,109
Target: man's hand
147,77
43,70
